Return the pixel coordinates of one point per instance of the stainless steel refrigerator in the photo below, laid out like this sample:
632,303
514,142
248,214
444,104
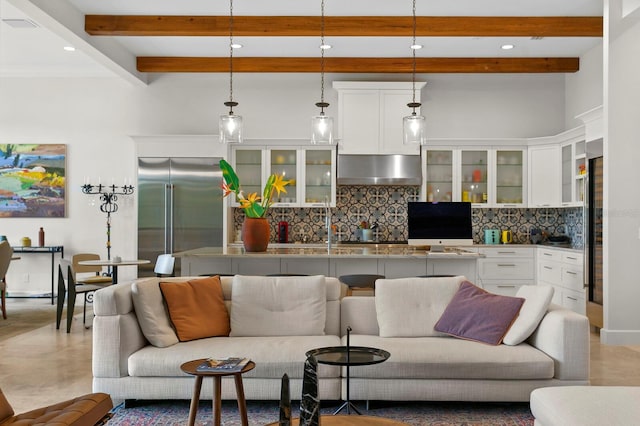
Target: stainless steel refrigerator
179,207
593,249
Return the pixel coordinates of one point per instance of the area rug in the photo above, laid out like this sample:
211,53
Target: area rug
173,413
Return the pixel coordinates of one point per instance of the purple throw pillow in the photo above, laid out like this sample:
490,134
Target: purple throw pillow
475,314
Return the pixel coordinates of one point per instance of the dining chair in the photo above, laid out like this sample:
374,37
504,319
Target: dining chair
5,259
71,289
164,265
96,271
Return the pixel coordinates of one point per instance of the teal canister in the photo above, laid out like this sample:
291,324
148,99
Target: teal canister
491,236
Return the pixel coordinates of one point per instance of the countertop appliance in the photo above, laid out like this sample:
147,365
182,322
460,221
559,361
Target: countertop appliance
179,207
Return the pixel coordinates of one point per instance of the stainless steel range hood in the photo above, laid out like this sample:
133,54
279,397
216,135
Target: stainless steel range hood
379,170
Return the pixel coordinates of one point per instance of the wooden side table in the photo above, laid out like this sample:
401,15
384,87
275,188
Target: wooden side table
190,368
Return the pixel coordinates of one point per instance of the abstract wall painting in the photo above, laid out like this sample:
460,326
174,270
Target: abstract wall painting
32,180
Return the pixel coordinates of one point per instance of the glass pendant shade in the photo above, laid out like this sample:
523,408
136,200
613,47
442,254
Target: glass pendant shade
413,129
230,128
322,130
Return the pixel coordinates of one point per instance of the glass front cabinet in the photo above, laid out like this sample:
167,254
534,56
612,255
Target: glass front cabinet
574,172
484,177
310,170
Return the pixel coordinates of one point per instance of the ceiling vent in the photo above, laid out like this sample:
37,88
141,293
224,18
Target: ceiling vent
20,23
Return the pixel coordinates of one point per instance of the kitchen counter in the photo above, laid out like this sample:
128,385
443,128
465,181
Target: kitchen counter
390,260
321,251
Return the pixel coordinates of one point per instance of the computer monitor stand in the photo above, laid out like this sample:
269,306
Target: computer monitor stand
437,248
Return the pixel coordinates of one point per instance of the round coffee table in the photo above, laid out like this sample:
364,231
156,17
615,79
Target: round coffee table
348,356
190,368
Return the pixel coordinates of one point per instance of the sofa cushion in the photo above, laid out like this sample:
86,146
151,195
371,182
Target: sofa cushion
152,313
451,358
196,308
273,355
536,301
278,306
410,307
475,314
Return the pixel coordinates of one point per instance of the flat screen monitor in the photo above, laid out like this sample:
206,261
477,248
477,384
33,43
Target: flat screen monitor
440,224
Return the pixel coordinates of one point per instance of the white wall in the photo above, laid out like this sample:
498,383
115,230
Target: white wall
584,89
621,174
95,117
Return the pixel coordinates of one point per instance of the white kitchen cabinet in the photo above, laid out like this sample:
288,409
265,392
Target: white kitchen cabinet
370,116
573,169
505,268
563,269
544,176
510,177
305,266
311,169
486,177
439,174
401,268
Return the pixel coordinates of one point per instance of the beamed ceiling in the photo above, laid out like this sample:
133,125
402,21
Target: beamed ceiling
349,26
137,38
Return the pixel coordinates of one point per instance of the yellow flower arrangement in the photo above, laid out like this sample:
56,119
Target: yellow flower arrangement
254,205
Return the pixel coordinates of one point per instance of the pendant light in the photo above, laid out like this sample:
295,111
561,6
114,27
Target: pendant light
230,126
321,125
413,126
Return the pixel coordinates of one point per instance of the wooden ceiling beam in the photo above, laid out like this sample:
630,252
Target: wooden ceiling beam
359,65
345,26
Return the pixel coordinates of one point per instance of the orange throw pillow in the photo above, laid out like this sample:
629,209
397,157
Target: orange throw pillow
196,308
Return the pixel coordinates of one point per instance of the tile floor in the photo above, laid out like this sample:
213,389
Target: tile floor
46,365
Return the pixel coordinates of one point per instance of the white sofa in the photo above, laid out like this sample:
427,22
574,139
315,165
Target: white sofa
443,368
126,366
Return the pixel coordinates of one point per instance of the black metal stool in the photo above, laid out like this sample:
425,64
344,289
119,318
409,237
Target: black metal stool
360,281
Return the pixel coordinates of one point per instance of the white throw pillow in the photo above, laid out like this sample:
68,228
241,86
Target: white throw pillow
152,313
278,306
410,307
536,301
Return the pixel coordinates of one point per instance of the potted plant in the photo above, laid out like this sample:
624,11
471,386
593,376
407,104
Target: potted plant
255,228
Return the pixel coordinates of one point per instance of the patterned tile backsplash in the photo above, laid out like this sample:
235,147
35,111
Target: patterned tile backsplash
387,206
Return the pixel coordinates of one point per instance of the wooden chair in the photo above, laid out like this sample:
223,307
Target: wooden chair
96,278
71,290
360,282
164,265
89,409
5,259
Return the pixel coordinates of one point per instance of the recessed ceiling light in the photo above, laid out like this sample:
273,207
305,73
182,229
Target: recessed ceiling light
69,48
20,23
325,46
416,46
507,46
236,46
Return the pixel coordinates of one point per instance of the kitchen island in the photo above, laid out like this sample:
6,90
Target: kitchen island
390,260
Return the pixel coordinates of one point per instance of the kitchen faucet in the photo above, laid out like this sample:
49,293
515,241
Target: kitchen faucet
327,219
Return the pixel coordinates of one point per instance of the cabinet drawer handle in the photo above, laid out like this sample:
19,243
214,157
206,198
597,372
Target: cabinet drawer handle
500,265
506,252
547,254
572,258
548,267
571,273
572,298
506,286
